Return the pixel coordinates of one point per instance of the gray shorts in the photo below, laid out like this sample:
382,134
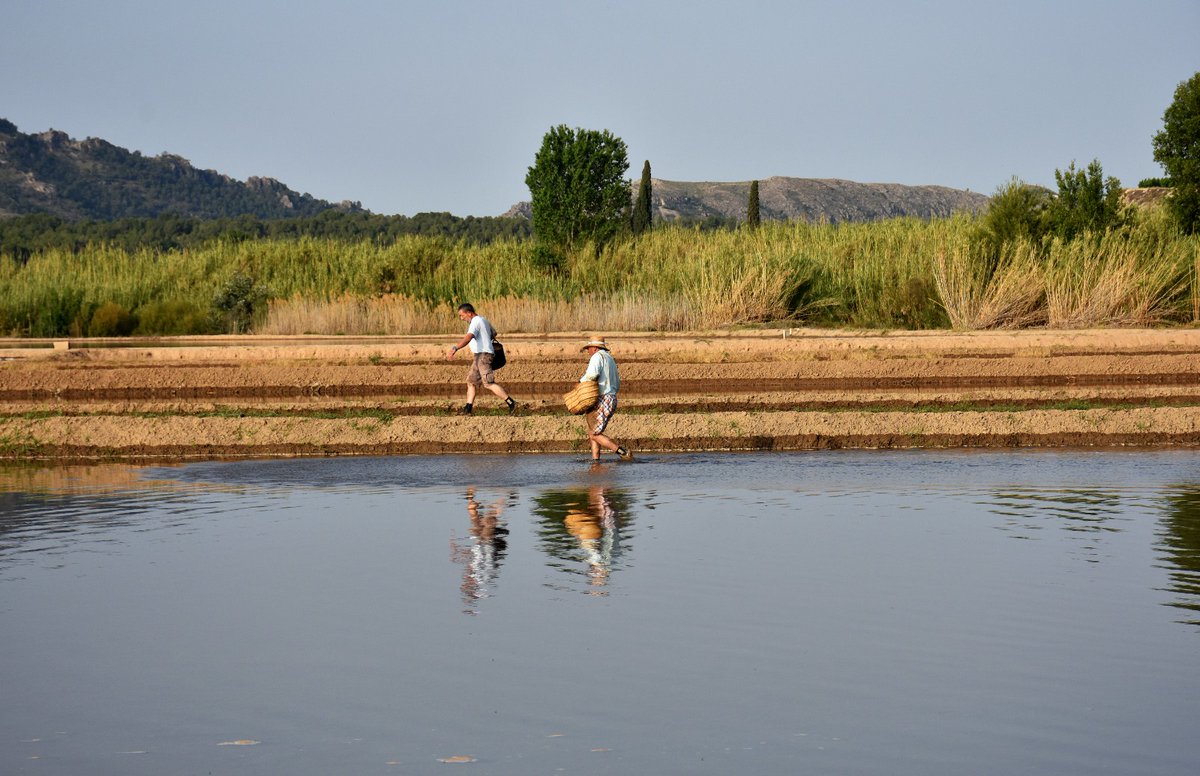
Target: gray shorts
481,370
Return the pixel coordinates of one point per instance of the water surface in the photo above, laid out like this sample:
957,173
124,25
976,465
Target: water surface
832,612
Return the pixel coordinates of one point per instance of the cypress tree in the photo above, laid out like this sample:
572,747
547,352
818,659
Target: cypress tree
641,206
752,206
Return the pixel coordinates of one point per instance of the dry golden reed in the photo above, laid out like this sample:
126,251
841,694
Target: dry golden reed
395,314
976,295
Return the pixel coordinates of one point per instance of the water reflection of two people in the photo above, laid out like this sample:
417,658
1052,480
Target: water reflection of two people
583,525
482,551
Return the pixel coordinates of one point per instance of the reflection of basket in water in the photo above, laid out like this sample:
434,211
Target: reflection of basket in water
582,397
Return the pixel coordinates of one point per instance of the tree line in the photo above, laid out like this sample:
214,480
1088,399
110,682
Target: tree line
22,236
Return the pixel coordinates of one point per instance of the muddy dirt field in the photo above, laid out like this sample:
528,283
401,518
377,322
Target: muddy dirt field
799,389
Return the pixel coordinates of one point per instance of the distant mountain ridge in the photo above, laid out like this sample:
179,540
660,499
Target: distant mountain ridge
94,179
809,199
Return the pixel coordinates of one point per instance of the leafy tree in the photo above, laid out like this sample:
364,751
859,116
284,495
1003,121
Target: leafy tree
577,187
1086,202
1177,149
237,303
641,207
752,218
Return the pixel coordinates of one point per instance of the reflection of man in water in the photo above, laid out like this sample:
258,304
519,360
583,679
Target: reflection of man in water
482,554
592,521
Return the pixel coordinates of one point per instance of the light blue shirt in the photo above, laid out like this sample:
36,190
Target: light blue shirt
603,369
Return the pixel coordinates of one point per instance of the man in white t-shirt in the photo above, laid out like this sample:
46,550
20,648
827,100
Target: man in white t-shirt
479,338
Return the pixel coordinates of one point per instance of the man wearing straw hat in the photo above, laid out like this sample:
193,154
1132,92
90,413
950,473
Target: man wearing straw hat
479,337
602,368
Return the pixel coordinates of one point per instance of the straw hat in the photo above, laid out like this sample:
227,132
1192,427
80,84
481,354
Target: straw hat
595,342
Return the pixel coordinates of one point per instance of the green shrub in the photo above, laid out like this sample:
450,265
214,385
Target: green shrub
1017,211
111,320
173,317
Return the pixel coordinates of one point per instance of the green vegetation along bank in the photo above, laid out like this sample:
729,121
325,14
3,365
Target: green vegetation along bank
897,274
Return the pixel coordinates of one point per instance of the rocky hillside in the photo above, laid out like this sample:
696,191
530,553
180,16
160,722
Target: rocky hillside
811,199
1145,197
94,179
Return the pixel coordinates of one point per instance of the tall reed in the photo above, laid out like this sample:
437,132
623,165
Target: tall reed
980,292
1116,280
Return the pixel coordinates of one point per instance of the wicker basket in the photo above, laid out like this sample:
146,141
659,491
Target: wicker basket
582,397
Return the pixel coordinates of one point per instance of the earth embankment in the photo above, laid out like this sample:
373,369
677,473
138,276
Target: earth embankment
799,389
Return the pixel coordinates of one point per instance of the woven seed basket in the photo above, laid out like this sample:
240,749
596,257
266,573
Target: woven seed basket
582,397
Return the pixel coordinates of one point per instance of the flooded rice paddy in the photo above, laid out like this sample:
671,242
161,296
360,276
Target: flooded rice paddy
826,612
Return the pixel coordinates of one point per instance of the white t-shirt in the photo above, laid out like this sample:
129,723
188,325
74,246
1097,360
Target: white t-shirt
482,341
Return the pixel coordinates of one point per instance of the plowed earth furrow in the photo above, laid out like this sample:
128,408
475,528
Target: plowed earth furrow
641,388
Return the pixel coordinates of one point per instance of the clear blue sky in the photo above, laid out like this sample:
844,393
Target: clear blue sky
441,106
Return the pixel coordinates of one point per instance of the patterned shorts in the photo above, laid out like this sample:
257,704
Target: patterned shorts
481,370
604,412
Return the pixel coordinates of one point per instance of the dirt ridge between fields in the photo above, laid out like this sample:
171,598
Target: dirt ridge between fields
710,391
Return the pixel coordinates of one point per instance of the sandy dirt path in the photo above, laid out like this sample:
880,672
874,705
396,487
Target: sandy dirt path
799,389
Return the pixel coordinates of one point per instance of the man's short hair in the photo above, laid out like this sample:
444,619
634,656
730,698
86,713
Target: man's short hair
466,307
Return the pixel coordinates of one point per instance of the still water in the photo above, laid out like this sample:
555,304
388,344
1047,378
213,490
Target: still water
825,613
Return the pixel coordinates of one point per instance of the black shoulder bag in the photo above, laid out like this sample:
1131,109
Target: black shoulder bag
498,357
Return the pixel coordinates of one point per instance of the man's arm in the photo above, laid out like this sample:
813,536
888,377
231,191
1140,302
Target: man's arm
593,369
462,343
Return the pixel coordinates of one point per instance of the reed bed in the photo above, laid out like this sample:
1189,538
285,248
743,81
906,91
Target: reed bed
1110,282
1141,276
392,314
902,273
